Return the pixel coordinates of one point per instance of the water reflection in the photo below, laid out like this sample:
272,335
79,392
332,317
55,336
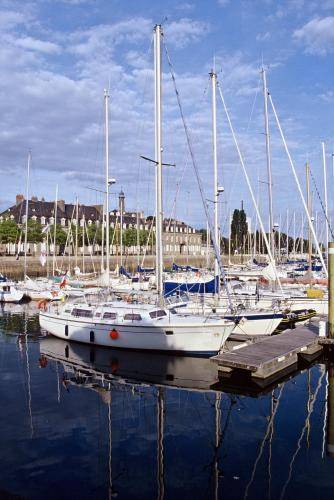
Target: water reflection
86,422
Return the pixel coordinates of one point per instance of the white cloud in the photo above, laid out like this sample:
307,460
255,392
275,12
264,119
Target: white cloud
261,37
317,36
223,3
185,6
185,31
327,96
38,45
10,19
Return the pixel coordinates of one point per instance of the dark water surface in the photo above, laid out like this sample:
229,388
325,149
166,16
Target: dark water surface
78,422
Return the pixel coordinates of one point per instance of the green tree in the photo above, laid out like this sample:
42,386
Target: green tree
239,228
61,234
130,237
34,231
8,231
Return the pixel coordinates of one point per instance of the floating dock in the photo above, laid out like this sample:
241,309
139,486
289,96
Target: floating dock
268,358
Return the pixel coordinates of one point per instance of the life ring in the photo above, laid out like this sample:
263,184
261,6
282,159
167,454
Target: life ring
42,304
113,334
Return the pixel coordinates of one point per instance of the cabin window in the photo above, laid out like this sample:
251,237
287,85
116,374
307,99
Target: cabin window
132,317
82,313
158,314
97,315
67,311
109,315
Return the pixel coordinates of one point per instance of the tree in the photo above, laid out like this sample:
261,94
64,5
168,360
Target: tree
61,235
239,228
130,237
34,231
8,231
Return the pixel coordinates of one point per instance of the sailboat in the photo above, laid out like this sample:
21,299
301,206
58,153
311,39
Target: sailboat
126,325
249,322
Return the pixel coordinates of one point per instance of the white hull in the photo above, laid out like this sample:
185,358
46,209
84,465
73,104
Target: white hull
197,337
251,323
12,296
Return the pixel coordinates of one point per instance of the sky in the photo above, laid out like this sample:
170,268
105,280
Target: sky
58,56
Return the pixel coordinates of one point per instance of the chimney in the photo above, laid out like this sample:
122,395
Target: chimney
19,199
34,198
61,205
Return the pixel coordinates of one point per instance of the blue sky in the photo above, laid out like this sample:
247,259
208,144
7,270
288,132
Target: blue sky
57,56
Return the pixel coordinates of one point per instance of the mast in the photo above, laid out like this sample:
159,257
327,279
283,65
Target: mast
106,104
268,156
294,234
213,77
102,239
325,190
76,232
309,213
26,215
54,234
287,233
158,159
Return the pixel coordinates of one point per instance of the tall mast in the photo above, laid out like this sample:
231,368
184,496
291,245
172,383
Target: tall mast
158,159
26,215
215,173
325,189
268,156
310,217
287,233
54,234
102,239
76,231
106,103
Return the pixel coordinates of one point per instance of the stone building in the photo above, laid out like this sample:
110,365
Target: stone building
178,237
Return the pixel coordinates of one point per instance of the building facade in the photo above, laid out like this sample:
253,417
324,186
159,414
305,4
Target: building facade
178,237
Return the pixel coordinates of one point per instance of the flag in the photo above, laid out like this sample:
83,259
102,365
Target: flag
42,257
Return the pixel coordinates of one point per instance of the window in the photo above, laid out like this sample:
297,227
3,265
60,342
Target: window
158,314
132,317
67,310
109,315
97,315
82,313
43,221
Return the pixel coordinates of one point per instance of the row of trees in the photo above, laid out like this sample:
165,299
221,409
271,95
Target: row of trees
10,232
242,241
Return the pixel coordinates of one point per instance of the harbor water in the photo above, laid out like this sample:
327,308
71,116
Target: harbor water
82,422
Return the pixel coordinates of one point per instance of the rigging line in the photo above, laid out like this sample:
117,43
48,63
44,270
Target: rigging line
199,182
299,442
271,258
270,424
298,185
321,203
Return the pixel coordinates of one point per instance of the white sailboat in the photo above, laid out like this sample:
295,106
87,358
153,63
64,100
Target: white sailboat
141,326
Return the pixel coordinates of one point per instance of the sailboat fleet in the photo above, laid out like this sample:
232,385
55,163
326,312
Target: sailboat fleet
190,311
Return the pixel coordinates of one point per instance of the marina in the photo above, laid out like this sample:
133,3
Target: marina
166,250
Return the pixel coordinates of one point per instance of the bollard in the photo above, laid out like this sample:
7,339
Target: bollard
331,290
